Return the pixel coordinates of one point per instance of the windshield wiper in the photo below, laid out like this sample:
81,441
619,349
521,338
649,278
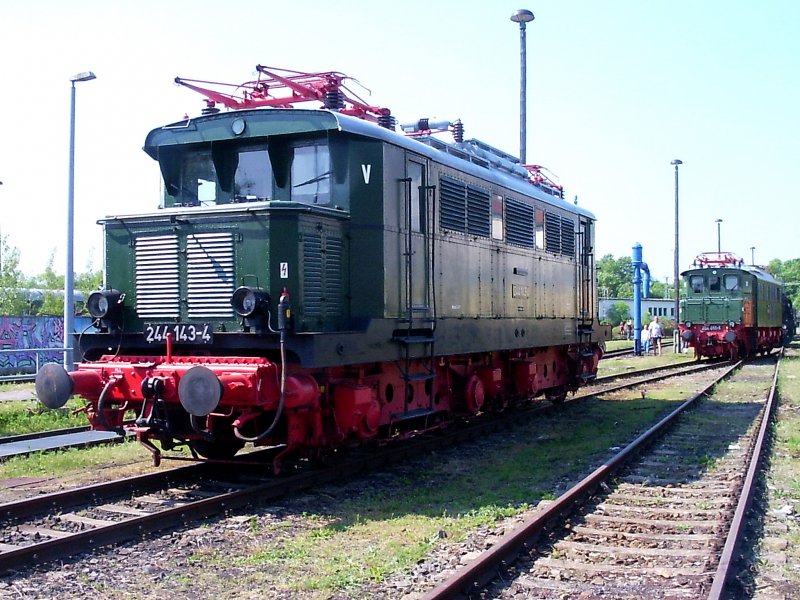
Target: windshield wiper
314,179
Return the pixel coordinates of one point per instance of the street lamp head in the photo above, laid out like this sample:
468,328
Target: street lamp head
718,221
522,16
676,162
85,76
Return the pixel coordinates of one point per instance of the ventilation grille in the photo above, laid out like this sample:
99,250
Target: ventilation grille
552,233
322,276
567,237
478,212
210,274
519,223
453,199
157,282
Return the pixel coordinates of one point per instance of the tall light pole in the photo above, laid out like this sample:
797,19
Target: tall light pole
522,17
676,271
719,244
1,248
752,255
69,274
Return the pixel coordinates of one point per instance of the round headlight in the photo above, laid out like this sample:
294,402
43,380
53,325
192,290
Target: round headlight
688,324
106,306
97,304
247,301
731,324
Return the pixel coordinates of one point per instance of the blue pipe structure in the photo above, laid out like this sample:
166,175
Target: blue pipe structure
638,267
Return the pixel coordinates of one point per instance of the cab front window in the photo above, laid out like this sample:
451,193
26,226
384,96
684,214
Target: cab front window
311,174
253,178
191,181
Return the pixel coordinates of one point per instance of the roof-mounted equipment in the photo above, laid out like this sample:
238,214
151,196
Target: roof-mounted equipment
283,88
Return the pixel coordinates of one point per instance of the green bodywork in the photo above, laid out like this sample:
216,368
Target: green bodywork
348,218
742,296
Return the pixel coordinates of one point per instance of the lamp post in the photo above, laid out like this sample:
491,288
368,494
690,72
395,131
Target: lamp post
1,248
522,17
719,245
69,274
676,272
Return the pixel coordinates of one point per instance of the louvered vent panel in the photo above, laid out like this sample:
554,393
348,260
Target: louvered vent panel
322,276
210,274
333,279
567,237
478,212
519,223
312,275
552,233
157,283
453,205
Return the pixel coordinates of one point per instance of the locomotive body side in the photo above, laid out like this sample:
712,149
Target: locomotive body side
313,281
730,310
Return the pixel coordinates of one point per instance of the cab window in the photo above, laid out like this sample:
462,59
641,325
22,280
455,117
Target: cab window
311,174
538,221
191,179
497,217
253,178
714,283
697,282
731,283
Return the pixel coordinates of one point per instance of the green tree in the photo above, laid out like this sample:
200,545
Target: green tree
788,272
618,313
615,277
658,289
11,280
51,301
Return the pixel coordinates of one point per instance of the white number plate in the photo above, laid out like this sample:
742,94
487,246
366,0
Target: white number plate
186,333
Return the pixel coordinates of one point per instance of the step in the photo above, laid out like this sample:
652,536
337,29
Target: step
414,339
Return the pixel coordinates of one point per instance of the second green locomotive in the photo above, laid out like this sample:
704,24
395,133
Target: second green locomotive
732,310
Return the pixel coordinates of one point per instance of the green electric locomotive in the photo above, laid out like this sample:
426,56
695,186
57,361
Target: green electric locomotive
314,279
732,310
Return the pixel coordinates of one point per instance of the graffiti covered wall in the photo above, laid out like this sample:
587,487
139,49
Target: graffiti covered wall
18,333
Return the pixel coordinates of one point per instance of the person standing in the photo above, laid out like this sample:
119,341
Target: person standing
656,331
645,340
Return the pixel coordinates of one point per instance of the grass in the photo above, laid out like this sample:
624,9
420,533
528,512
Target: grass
74,461
29,416
619,344
366,537
783,479
616,366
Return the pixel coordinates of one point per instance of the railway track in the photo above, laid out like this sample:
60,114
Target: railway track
629,351
619,381
665,525
54,526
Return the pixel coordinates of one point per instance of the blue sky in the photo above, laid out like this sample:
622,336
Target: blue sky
616,90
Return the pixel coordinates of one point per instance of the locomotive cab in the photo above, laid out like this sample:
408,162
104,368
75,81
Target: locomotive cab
728,309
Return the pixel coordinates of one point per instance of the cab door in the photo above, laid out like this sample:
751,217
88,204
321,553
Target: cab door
418,244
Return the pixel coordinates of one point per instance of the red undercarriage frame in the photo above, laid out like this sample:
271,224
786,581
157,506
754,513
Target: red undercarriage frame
722,341
321,409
